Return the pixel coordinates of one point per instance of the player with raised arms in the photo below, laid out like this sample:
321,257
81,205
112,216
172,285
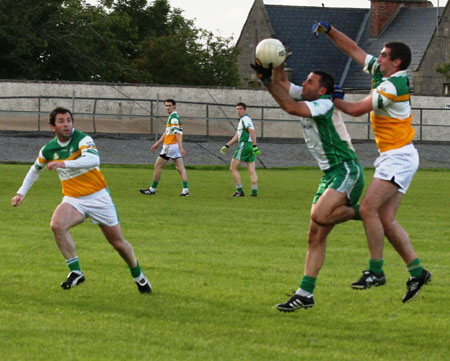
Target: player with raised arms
327,139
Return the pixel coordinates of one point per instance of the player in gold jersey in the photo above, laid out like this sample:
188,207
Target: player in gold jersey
390,108
74,156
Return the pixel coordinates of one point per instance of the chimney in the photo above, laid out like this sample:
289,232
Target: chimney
383,11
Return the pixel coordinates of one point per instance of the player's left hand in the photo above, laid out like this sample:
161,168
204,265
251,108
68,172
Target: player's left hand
256,150
55,164
337,93
263,74
320,27
224,149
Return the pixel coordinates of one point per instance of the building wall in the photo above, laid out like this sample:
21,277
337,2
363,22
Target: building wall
256,28
427,81
123,109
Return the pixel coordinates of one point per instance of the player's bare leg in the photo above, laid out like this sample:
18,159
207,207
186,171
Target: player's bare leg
65,217
115,237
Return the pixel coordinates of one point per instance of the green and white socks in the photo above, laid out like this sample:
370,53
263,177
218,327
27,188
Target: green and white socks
306,287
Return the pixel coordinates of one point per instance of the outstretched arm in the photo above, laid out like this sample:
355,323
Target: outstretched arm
282,97
355,109
342,41
32,175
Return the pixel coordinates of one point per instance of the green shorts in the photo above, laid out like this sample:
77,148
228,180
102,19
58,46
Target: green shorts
346,177
244,152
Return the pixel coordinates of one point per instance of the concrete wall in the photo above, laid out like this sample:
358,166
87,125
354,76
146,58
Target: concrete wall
118,114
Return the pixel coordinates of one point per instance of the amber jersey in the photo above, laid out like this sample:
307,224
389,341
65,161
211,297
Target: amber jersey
391,116
76,181
173,127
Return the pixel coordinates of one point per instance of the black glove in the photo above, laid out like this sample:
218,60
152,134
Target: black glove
263,74
337,93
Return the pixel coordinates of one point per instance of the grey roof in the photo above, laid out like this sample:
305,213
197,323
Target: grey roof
292,25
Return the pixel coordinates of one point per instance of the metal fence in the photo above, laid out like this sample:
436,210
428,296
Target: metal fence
152,116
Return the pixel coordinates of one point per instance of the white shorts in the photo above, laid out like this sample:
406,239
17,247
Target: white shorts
398,165
98,206
171,151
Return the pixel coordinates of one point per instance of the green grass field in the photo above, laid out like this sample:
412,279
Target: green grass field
218,266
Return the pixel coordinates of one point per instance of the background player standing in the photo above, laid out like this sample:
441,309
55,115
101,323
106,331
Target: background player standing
172,140
247,151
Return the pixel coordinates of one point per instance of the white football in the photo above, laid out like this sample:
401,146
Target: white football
271,51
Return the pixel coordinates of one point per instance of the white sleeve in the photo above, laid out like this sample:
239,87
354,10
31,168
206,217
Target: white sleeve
86,160
371,64
319,106
89,155
295,91
31,177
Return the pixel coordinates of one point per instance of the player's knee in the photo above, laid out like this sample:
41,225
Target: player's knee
321,219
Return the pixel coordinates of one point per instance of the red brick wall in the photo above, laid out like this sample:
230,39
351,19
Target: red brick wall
381,12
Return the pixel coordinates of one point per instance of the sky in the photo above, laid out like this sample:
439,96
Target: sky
227,17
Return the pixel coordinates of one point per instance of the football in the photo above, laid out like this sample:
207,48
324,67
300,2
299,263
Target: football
271,51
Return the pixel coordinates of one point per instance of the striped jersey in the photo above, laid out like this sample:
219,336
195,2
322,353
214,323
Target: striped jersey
245,123
325,133
76,182
173,127
391,116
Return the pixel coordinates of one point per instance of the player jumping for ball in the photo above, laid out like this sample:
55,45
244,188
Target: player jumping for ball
327,139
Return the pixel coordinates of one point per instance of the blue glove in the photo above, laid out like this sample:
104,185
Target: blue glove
337,93
263,74
256,150
320,27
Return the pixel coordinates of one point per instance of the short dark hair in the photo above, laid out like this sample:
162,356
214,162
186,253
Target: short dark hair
56,111
170,100
240,104
400,51
326,80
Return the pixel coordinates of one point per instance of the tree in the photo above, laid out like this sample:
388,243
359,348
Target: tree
116,41
444,69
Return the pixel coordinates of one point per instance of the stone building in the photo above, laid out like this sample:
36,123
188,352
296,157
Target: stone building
411,21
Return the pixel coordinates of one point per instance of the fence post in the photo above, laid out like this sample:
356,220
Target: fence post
262,122
157,116
93,115
368,126
207,120
39,113
151,116
73,102
421,123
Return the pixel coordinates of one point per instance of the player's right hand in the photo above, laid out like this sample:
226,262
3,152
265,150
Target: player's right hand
320,27
17,199
256,150
224,149
263,74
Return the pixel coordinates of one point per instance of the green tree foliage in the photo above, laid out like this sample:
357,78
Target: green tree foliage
116,41
444,69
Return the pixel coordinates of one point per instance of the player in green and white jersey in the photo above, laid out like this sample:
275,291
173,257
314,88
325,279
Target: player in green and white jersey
247,151
328,141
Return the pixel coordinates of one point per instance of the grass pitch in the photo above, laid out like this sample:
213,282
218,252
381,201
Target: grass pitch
218,265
